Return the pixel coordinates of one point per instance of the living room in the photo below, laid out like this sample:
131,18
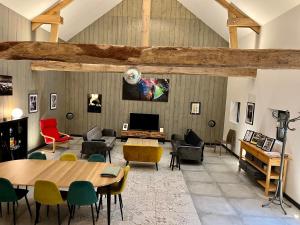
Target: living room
210,101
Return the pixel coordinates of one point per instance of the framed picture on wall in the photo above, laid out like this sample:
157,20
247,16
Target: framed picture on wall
195,108
94,104
32,103
250,113
53,101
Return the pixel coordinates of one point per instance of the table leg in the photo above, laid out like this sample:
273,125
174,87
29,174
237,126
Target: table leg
109,156
108,204
267,187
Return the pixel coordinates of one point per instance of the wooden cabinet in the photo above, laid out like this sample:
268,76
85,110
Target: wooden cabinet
143,134
13,139
269,166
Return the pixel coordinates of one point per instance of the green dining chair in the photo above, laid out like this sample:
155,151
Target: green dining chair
38,156
82,193
96,158
9,194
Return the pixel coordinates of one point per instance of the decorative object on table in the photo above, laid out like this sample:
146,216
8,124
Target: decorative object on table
17,113
195,108
53,101
284,121
69,116
32,103
6,86
261,141
255,138
268,145
111,171
248,135
146,89
250,113
125,126
94,103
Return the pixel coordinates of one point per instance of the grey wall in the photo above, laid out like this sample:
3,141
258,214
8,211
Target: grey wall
14,27
171,25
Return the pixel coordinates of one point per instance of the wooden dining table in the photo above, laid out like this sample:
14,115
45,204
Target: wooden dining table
26,172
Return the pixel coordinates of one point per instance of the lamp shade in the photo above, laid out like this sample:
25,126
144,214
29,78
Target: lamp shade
17,113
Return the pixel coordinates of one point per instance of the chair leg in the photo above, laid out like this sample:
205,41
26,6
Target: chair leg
115,197
97,211
53,149
156,165
92,209
58,214
0,209
127,162
8,208
37,212
48,210
109,157
71,214
121,205
28,206
14,212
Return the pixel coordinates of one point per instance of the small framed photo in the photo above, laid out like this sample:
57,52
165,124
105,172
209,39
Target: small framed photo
255,138
53,101
268,145
248,135
260,143
195,108
250,113
125,126
32,103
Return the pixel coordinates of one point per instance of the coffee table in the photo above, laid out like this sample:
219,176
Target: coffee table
142,150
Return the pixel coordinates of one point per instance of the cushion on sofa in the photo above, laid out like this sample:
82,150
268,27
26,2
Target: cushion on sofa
192,138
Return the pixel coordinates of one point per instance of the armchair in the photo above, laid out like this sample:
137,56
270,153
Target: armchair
191,148
51,134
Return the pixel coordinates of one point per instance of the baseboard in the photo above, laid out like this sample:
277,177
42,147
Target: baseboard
229,150
36,148
296,204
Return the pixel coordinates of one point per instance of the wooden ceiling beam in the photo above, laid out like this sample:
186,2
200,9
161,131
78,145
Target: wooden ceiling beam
152,56
53,10
146,14
48,19
239,14
240,22
84,67
233,34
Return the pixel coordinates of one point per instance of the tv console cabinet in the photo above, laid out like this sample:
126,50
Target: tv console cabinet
160,136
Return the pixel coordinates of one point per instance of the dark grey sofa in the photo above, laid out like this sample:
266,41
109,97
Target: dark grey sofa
97,141
188,148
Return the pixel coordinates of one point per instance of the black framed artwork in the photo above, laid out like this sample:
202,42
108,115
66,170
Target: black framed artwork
268,145
53,101
32,103
248,135
255,138
260,143
94,103
195,108
250,113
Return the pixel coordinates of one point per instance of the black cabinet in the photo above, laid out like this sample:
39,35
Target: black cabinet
13,139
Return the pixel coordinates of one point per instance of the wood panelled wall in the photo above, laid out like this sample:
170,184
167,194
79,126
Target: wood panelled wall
14,27
171,25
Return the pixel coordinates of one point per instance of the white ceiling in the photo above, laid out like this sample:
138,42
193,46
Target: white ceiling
215,16
81,13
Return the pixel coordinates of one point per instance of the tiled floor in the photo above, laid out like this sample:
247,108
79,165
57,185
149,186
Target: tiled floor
213,193
224,196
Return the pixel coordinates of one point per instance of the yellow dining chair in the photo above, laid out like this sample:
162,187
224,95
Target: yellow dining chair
68,157
47,193
116,190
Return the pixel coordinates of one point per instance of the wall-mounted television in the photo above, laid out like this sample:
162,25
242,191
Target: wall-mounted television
140,121
6,87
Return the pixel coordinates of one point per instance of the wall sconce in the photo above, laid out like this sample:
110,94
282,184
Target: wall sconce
17,113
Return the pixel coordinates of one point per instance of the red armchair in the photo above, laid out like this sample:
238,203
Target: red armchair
51,134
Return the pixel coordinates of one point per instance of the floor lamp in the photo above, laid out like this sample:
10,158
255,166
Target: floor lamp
284,120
